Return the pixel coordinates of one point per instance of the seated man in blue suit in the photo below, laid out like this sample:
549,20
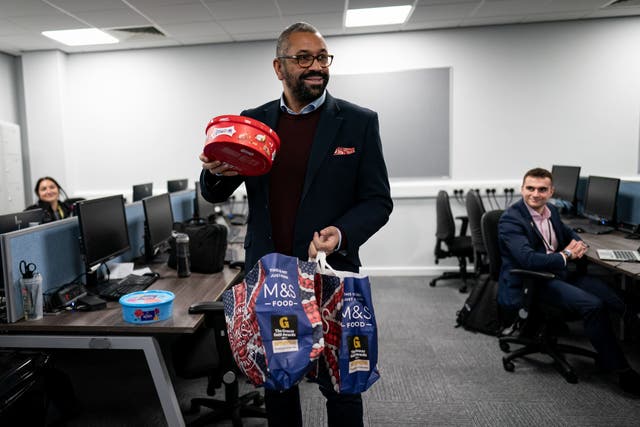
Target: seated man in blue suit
533,237
327,190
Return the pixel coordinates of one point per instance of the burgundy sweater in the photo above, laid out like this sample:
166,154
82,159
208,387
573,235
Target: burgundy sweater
287,175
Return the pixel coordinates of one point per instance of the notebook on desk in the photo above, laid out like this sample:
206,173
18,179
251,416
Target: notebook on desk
623,255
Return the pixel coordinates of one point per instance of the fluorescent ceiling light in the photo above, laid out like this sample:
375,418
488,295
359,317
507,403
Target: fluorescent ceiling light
80,37
377,16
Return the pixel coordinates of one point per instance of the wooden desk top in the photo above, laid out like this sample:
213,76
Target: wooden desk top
614,240
195,288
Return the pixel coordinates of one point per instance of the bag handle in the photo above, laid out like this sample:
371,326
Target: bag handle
323,266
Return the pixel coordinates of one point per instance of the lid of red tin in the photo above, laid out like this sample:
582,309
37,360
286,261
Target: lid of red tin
247,144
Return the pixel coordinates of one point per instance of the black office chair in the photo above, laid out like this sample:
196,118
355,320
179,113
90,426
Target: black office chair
208,354
535,322
458,246
475,210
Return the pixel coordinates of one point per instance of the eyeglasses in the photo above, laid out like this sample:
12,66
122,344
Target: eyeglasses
306,60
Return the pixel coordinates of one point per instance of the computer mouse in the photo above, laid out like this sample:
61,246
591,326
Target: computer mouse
152,274
578,230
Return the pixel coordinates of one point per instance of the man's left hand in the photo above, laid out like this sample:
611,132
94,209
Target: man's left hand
324,241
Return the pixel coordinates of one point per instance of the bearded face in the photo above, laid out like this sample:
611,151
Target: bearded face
306,84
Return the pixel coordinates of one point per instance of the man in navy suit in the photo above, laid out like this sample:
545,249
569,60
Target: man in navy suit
533,237
327,190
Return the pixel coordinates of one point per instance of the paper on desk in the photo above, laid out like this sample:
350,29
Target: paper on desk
118,270
142,270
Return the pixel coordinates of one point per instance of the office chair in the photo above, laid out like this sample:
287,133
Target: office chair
535,321
475,210
208,354
459,246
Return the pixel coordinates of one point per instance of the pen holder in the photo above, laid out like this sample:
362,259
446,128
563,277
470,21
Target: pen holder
31,289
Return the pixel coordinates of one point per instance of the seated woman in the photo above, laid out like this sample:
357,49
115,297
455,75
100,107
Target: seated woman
48,191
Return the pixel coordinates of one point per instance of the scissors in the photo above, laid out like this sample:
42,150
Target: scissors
27,268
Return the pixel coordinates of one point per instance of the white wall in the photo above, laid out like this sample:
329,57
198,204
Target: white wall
522,96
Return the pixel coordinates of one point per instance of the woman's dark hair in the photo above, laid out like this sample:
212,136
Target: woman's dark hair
48,178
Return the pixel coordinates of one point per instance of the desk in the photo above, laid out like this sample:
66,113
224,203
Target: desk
629,271
106,329
614,240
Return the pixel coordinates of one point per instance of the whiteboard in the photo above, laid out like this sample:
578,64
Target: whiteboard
414,111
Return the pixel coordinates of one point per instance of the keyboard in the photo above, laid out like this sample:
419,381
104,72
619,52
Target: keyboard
623,255
113,290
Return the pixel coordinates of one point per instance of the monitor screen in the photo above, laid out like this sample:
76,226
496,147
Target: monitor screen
203,209
140,191
601,197
19,220
565,182
103,230
177,185
158,223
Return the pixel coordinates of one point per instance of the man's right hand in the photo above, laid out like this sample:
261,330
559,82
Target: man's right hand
216,167
577,248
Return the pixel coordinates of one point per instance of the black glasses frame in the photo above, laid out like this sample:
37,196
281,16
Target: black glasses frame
307,57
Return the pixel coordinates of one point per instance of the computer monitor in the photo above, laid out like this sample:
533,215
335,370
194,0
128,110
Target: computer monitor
140,191
158,224
19,220
565,183
177,185
600,199
202,208
103,232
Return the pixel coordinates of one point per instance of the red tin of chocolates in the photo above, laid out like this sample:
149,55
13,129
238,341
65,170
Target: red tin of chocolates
247,144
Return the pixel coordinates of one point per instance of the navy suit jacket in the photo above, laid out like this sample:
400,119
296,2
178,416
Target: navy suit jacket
349,191
522,246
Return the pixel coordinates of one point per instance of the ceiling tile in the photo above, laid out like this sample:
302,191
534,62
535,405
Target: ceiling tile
11,8
194,29
249,26
318,20
441,12
74,6
114,18
39,23
509,8
177,14
303,7
224,10
31,42
8,27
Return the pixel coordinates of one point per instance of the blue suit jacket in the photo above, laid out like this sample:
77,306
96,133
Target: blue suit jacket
350,192
522,246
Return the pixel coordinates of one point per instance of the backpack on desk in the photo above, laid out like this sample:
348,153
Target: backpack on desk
207,246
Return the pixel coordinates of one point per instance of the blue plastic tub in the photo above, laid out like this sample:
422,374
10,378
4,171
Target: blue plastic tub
147,306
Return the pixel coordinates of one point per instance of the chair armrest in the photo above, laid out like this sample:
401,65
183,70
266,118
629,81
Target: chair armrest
533,274
528,287
206,307
465,224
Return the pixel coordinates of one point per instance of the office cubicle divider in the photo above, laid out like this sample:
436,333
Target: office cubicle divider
55,249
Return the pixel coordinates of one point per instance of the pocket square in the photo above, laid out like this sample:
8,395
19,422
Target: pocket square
344,151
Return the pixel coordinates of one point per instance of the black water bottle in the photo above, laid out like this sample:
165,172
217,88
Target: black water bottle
182,252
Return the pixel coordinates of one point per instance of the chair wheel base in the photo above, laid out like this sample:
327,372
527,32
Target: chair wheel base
505,347
432,283
508,365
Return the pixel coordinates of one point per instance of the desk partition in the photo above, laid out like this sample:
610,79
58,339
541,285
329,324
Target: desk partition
54,248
